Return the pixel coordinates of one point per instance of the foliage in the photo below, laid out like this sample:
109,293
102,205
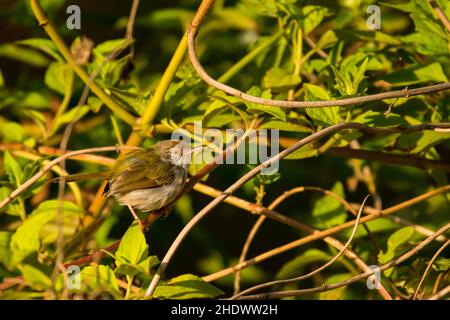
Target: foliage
293,49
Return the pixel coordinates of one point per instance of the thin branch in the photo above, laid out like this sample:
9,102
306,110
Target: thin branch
438,252
248,241
390,158
310,274
59,43
441,15
417,227
205,6
392,263
440,294
325,233
282,198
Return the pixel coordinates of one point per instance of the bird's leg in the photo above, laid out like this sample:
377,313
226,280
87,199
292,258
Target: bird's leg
136,217
165,211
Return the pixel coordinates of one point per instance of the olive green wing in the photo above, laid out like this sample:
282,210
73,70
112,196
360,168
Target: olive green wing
140,170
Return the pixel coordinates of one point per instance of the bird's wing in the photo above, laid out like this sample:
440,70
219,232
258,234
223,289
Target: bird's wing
135,173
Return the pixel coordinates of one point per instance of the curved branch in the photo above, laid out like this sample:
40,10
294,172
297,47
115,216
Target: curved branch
192,32
392,263
310,274
326,233
445,245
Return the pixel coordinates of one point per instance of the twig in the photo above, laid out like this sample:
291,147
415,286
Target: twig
441,15
390,158
325,233
310,274
276,203
440,294
201,13
417,227
59,43
251,235
438,252
392,263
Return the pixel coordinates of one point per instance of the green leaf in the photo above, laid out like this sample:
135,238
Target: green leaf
13,208
36,229
186,286
311,17
5,252
441,264
379,119
12,131
277,112
44,45
99,278
262,7
73,114
417,142
132,251
328,211
417,74
320,116
279,79
12,169
108,46
304,152
35,278
2,79
59,77
395,243
296,266
94,103
284,126
24,55
131,97
339,293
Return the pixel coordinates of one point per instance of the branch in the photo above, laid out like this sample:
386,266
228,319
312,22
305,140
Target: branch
192,32
440,294
325,233
390,158
392,263
59,43
310,274
429,267
313,137
441,15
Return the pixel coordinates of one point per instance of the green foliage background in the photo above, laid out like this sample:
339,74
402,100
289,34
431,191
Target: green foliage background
39,93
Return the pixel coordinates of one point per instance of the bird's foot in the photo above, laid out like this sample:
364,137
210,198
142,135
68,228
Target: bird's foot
164,211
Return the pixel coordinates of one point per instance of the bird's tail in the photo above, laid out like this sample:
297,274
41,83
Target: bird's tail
103,175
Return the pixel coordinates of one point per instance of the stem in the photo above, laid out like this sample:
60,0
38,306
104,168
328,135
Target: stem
250,57
201,13
59,43
158,98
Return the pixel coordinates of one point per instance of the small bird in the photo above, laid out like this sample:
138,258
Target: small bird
146,180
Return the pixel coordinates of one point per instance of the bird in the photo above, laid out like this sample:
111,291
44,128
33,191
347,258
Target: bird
145,180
